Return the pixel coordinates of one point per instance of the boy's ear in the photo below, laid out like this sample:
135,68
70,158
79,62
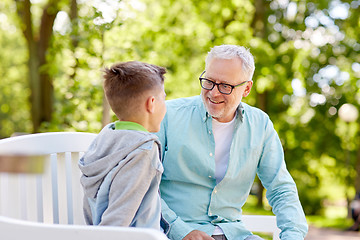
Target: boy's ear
150,104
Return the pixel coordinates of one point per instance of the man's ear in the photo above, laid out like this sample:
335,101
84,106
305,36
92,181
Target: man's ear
248,88
150,104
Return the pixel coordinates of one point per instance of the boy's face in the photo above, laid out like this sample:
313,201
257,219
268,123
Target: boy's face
160,109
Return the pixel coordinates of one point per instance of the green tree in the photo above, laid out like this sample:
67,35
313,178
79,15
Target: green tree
14,93
38,43
307,66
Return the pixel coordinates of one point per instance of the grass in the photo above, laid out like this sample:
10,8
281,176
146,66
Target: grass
339,223
333,217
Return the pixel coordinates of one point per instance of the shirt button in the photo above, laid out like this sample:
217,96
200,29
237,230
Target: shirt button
215,191
210,132
211,154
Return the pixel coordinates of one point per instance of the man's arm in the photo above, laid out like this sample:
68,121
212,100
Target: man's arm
281,189
180,230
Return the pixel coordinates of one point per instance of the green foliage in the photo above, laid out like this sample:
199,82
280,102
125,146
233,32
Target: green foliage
14,89
293,55
333,217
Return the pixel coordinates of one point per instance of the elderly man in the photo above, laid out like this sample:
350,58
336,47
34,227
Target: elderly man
213,146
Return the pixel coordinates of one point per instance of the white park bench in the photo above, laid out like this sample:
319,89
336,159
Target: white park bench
48,205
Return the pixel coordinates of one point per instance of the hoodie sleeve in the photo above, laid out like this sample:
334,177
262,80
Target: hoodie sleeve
129,186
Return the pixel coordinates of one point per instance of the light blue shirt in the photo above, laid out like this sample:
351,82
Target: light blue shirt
191,199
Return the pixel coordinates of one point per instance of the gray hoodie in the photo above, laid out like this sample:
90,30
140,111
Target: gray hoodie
121,175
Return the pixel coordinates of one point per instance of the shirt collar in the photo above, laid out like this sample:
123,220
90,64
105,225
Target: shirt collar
126,125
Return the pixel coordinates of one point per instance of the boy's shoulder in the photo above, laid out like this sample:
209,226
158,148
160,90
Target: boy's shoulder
148,145
116,138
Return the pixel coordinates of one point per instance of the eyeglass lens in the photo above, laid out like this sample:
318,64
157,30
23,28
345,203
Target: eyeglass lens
209,85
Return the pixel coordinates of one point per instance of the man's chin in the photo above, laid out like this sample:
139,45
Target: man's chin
214,114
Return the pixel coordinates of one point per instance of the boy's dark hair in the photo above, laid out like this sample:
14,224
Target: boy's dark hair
126,82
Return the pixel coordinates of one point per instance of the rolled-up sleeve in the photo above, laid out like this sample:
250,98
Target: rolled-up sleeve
281,188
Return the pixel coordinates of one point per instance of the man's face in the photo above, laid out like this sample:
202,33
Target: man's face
220,106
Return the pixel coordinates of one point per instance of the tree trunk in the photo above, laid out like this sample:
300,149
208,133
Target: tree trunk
262,100
41,87
46,31
259,22
357,178
74,34
24,11
259,26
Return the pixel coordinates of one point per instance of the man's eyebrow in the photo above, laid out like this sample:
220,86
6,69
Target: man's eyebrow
212,79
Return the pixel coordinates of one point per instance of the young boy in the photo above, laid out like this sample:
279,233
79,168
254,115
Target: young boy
122,167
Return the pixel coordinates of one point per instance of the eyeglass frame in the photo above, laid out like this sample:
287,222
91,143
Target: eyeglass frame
218,84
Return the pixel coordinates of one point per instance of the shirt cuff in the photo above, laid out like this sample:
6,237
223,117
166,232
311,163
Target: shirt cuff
291,235
179,229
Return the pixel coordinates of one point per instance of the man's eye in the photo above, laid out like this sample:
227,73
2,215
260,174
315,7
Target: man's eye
225,86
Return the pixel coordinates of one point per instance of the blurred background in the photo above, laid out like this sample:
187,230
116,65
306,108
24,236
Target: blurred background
307,77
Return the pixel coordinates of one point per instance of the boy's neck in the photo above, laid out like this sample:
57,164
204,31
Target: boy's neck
129,125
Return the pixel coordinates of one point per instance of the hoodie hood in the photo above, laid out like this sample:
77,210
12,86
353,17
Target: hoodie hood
109,149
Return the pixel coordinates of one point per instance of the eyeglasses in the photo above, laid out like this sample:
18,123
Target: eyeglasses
223,88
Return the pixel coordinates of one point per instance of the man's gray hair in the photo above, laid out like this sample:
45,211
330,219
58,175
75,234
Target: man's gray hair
231,52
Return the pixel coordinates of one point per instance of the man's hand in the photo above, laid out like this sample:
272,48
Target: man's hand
197,235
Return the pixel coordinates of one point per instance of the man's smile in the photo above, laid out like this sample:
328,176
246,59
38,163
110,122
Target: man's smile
215,102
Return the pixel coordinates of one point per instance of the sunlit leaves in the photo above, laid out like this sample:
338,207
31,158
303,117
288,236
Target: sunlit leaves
307,66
